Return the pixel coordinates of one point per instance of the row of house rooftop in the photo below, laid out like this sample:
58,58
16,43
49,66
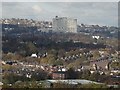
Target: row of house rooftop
57,72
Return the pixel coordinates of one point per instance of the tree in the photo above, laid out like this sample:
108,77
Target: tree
50,59
71,74
115,65
61,53
58,62
95,76
86,74
11,56
92,85
96,55
39,75
74,64
31,48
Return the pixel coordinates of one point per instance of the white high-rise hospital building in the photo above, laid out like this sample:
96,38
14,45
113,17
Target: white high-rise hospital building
64,24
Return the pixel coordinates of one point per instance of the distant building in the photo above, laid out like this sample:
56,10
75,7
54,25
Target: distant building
34,55
58,75
64,24
100,64
96,37
47,29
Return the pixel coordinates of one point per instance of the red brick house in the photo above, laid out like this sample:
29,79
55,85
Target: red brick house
59,75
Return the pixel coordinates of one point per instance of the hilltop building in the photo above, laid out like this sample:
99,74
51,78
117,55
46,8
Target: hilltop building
64,24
